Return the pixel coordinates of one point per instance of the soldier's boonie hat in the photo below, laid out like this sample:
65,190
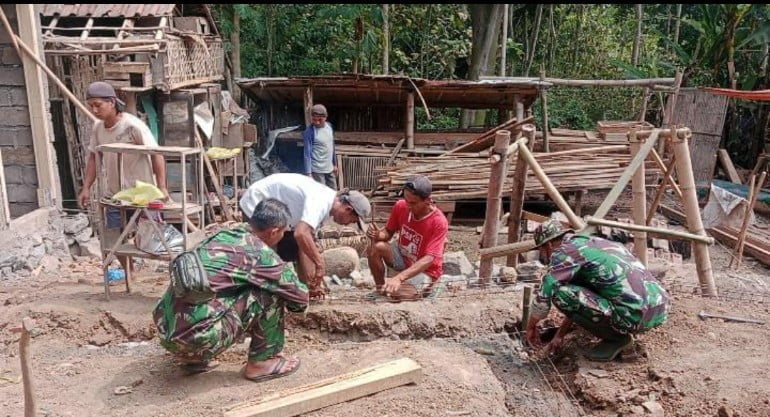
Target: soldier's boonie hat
549,230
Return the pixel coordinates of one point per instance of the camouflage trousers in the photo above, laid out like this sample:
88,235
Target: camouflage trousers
254,313
593,312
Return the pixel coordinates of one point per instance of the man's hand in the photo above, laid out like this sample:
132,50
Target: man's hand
391,285
533,337
84,197
166,196
553,345
373,232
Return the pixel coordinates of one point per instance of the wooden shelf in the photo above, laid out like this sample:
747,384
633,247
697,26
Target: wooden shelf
148,150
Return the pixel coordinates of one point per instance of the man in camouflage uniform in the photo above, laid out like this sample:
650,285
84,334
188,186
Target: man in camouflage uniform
251,286
597,284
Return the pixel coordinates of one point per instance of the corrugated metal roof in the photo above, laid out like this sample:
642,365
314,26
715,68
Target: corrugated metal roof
107,10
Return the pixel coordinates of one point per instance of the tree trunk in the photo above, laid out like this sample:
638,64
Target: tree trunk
504,40
485,22
235,53
270,26
638,38
552,41
676,23
536,30
385,40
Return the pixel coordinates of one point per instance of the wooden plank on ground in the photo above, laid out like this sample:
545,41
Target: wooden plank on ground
331,391
727,164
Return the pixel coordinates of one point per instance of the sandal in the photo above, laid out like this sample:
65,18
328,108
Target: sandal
276,372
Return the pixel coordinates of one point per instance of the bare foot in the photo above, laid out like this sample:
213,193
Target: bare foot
276,366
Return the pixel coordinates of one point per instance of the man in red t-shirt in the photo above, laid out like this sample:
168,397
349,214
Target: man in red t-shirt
418,253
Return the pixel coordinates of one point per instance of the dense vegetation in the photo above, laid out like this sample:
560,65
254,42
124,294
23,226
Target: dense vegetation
714,44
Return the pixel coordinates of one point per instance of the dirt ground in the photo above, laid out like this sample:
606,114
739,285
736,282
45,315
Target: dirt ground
85,348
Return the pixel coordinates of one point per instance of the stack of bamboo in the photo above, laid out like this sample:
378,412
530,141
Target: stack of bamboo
458,176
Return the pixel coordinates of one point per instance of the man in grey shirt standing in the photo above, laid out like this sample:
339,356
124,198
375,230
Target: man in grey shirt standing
319,156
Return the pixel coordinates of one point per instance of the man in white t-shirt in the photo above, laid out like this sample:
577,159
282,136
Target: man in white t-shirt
116,126
309,203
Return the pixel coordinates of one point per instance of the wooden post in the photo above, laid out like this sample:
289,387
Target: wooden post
518,107
694,222
727,164
130,99
307,100
518,196
574,220
49,190
409,120
526,307
579,202
507,249
754,190
544,108
504,40
491,219
639,201
27,325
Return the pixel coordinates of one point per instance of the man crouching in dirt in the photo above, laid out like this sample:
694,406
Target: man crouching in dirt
418,253
600,286
232,285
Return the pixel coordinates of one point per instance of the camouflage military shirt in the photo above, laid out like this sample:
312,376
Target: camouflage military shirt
249,279
625,291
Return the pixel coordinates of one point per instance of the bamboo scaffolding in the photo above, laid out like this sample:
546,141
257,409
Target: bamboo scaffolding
755,188
638,201
666,233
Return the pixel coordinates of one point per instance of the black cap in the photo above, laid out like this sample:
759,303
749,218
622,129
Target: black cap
419,185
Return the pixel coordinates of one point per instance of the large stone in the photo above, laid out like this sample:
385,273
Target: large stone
508,274
341,261
90,248
456,263
362,279
74,224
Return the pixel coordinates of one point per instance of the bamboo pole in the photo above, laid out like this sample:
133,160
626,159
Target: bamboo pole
694,222
517,197
681,133
20,46
496,179
667,233
638,201
668,114
650,82
508,249
666,168
619,186
667,174
755,189
574,220
645,100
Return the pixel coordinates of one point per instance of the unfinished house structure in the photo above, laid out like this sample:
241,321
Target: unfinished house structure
164,60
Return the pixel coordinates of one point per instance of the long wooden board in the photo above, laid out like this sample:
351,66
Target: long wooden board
331,391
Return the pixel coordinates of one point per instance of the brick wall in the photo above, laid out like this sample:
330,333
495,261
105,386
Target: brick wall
15,131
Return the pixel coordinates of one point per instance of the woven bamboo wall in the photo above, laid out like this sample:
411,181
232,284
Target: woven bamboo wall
193,60
704,113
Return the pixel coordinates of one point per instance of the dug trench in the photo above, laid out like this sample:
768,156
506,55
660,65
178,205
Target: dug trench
94,357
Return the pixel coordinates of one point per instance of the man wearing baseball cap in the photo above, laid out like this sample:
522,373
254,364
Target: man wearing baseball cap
116,126
418,253
597,284
309,203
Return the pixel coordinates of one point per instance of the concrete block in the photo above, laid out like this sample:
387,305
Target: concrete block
21,193
15,137
10,57
15,116
11,75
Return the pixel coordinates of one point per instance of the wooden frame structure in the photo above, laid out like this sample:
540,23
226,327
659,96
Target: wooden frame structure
642,143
